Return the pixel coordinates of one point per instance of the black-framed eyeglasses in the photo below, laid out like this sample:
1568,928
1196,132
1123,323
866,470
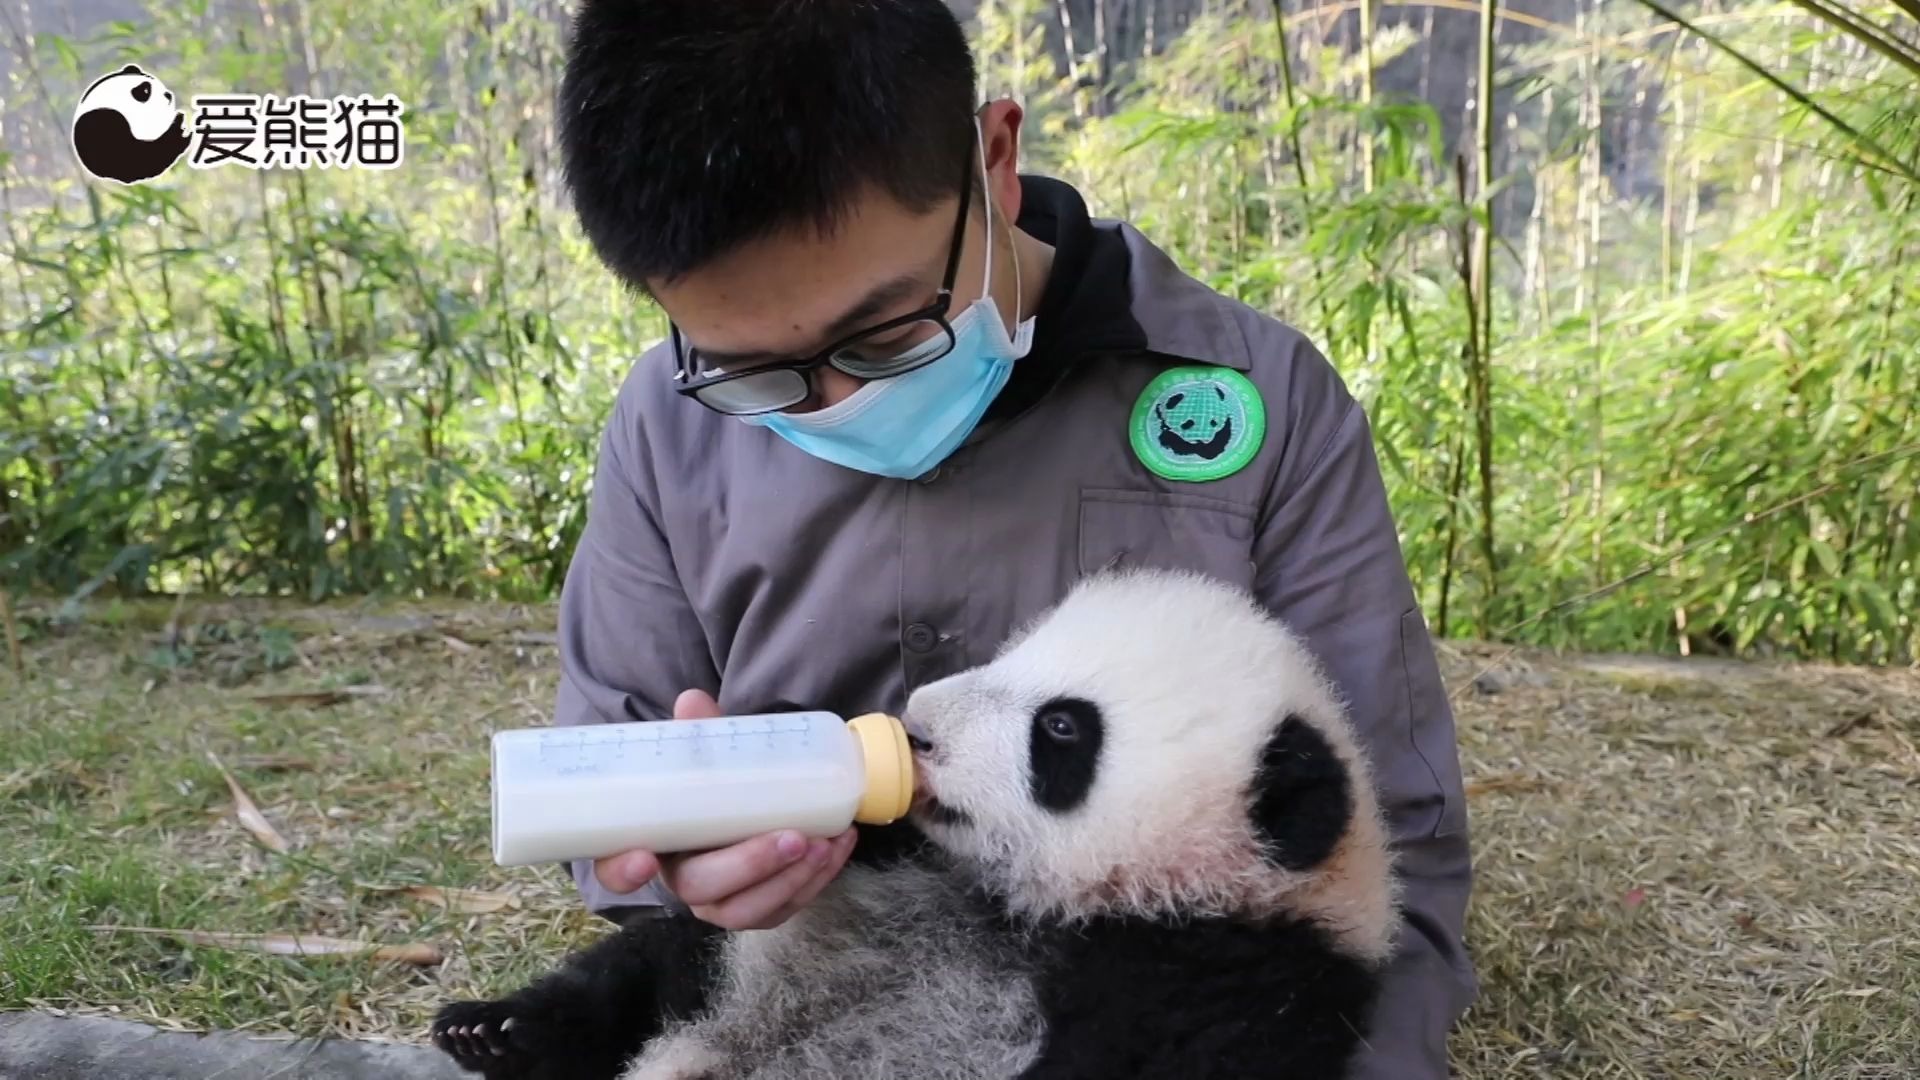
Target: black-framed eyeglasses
912,341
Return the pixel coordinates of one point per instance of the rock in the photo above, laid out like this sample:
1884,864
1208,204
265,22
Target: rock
1490,682
41,1046
1507,676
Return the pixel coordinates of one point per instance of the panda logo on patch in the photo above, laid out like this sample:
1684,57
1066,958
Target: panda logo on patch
1195,426
126,128
1197,422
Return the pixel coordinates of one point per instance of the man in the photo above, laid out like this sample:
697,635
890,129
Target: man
909,395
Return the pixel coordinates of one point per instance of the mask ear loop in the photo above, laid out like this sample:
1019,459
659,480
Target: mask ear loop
986,196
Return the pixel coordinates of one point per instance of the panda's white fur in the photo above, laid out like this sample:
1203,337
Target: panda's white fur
906,972
891,973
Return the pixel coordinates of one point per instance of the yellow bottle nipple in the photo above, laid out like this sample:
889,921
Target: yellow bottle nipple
889,761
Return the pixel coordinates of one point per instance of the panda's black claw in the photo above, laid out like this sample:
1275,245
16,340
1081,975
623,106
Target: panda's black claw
496,1036
484,1037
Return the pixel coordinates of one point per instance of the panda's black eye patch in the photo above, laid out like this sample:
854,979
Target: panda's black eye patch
1064,750
142,91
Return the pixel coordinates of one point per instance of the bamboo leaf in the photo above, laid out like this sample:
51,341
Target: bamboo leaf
1878,154
249,814
1823,551
68,58
1886,45
1874,599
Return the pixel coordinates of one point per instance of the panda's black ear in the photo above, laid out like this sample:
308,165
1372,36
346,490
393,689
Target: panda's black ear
1302,800
130,69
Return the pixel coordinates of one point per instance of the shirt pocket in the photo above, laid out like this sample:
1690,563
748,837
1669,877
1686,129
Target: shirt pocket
1166,530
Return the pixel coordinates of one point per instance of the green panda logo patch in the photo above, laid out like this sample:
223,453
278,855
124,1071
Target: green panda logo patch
1198,423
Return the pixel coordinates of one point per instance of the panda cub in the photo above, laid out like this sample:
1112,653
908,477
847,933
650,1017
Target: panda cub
1152,849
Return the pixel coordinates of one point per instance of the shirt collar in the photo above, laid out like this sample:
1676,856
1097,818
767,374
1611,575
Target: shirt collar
1179,316
1111,289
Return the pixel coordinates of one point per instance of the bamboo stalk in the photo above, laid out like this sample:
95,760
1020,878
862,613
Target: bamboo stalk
1692,224
1073,58
1477,391
1543,208
1483,275
1669,180
1454,484
1483,258
1287,91
1238,223
1019,47
1300,159
1597,505
1426,57
1814,64
13,636
1588,133
1102,63
1366,95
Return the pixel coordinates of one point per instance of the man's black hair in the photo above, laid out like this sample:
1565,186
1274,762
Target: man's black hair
689,127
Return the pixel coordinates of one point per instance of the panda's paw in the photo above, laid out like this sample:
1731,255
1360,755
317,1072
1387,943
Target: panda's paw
487,1037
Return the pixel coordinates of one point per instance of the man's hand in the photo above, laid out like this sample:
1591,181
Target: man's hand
756,884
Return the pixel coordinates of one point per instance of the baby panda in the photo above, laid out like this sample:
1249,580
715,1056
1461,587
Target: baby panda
126,127
1151,849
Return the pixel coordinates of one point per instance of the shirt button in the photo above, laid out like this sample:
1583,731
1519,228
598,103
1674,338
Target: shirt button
921,637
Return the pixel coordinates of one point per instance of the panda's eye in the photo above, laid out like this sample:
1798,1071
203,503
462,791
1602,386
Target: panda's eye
142,91
1060,726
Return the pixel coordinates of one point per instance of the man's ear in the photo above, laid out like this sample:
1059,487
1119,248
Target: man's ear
1000,134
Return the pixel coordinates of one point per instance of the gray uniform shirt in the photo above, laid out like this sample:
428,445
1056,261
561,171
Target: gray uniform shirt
718,557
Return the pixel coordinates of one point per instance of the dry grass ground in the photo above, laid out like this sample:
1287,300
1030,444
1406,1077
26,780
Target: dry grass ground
1699,872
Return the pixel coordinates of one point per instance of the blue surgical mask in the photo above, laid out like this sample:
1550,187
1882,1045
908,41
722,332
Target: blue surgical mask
904,426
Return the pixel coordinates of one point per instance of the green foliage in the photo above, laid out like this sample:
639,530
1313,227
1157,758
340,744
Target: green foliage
320,381
1702,430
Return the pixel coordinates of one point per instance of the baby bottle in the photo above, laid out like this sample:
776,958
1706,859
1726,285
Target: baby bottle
585,792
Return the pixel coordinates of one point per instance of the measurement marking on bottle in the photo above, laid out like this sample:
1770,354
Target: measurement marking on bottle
566,747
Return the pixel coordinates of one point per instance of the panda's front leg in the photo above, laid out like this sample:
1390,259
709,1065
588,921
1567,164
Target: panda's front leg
758,1000
588,1018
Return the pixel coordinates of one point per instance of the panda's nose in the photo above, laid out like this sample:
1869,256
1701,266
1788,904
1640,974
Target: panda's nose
917,736
169,95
